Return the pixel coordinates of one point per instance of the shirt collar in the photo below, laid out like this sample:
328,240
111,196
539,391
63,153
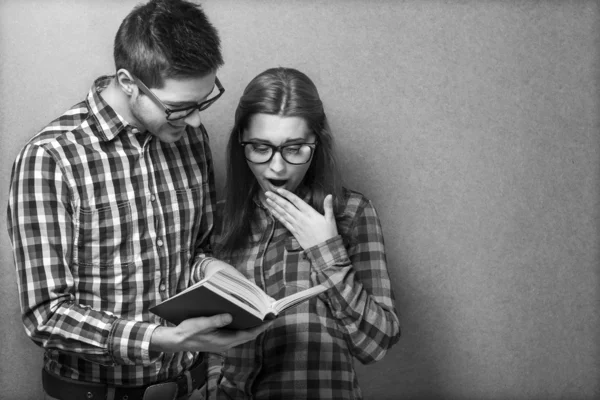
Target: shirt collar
109,122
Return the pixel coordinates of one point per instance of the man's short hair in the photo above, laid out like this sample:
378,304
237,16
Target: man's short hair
167,39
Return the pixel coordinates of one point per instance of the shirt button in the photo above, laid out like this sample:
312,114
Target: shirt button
162,287
159,243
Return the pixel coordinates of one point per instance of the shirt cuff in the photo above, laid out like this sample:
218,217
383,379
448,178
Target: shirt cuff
328,258
129,342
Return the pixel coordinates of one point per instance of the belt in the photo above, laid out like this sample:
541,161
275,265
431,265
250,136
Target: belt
69,389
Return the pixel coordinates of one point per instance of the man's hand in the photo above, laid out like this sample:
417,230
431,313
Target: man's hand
202,334
304,222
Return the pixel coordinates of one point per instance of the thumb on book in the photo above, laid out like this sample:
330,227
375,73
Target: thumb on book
220,320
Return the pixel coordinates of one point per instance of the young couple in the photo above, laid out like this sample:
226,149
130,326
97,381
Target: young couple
112,209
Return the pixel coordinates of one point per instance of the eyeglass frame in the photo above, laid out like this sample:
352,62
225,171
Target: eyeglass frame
203,105
277,149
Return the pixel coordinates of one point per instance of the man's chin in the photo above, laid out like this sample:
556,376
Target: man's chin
171,137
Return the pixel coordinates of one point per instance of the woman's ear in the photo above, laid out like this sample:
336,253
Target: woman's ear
125,82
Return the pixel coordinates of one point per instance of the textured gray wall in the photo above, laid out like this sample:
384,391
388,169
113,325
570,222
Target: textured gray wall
472,125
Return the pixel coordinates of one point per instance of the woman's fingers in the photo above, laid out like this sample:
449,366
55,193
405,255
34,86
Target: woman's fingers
281,206
328,208
295,200
284,207
282,216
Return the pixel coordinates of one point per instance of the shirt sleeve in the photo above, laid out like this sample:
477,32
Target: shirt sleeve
361,296
40,227
203,242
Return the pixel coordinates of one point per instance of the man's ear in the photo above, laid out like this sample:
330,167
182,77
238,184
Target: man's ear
125,82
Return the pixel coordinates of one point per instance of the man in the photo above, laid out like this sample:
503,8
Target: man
110,212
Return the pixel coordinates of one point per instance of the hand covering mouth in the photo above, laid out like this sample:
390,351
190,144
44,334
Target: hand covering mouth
277,182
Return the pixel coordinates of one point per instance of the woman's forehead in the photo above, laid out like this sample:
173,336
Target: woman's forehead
276,128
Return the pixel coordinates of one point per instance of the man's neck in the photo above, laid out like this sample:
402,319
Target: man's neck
119,102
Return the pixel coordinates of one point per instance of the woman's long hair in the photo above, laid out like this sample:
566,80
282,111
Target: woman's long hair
285,92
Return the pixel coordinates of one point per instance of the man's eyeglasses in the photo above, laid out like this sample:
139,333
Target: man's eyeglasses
180,113
261,153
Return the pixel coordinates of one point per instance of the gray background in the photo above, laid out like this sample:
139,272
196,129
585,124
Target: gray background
472,125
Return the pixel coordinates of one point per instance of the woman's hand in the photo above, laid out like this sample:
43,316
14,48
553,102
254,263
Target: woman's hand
304,222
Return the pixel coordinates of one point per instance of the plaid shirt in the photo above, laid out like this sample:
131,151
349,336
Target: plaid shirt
105,222
308,352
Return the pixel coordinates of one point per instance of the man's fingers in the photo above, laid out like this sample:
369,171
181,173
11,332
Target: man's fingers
221,320
238,337
257,330
212,323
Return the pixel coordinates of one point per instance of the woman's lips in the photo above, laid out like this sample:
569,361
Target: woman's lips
277,182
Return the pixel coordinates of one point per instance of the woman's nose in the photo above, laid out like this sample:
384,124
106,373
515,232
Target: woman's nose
277,163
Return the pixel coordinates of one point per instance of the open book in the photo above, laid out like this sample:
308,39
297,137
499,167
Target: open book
224,292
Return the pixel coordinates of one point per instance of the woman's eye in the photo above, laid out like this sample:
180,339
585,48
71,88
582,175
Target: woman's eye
261,149
292,150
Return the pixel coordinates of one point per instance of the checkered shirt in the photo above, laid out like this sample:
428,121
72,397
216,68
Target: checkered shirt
105,222
309,351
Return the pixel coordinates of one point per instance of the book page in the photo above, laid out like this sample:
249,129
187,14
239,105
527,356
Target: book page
189,289
238,300
243,289
297,298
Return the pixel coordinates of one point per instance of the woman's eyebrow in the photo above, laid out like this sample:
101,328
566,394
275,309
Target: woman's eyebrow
286,141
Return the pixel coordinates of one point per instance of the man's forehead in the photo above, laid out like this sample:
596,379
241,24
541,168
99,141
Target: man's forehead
186,90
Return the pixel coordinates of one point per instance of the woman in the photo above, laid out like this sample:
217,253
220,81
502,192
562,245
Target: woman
288,224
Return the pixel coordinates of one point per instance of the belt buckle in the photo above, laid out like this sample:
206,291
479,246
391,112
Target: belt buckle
161,391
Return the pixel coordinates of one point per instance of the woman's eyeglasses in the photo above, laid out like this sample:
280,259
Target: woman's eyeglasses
261,153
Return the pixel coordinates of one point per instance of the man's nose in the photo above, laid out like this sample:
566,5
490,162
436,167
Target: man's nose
193,119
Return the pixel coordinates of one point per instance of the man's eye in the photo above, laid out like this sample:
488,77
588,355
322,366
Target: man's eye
180,114
177,107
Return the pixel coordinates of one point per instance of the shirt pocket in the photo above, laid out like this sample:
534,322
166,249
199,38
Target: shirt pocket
105,235
296,267
182,216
